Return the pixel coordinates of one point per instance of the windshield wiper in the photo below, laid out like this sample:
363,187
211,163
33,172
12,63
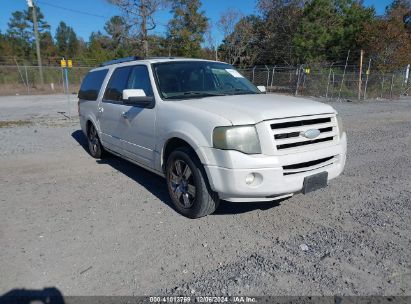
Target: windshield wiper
203,93
240,92
196,94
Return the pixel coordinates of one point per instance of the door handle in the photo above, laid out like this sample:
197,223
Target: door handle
124,115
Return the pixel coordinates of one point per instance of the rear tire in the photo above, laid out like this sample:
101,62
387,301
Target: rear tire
188,186
94,145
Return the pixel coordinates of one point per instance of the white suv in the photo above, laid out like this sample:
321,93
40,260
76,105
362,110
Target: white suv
210,132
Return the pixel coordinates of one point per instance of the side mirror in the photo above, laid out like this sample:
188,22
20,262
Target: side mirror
262,89
137,98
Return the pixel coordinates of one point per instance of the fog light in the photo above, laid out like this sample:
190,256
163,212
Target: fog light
249,179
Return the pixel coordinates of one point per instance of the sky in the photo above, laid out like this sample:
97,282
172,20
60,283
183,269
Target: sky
97,12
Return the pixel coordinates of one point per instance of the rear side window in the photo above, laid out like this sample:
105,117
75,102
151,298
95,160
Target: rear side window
118,82
90,87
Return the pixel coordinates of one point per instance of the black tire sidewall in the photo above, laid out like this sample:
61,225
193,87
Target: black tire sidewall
201,184
99,149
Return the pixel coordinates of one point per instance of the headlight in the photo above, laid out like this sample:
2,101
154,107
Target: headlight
340,125
240,138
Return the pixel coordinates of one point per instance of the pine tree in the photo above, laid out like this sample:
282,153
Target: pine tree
187,28
66,41
20,33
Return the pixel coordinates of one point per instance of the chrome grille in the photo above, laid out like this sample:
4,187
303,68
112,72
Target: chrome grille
287,132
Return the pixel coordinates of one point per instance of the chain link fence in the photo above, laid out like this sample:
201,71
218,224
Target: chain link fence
19,80
332,82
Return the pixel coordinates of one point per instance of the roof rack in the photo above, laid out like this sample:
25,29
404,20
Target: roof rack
121,60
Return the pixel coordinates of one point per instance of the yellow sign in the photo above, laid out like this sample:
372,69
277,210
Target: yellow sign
63,63
307,70
70,63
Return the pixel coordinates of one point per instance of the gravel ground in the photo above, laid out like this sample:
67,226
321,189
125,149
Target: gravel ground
106,227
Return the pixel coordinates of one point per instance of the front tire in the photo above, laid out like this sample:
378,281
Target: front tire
188,185
94,145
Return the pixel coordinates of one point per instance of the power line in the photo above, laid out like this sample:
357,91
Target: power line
72,10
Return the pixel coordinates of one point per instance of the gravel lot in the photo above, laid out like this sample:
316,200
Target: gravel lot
106,227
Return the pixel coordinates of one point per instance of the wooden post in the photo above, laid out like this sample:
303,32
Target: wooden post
359,75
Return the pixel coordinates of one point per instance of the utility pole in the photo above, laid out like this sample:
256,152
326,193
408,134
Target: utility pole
144,28
359,75
31,4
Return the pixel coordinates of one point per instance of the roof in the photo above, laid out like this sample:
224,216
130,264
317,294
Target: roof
150,60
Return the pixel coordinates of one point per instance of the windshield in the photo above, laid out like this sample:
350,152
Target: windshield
195,79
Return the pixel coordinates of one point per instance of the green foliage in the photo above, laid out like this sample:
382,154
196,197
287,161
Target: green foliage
118,29
66,41
20,33
242,46
328,28
187,28
285,32
280,20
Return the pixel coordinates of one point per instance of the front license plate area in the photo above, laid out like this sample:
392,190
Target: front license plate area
315,182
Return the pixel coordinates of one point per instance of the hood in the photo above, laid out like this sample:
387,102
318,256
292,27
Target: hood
251,109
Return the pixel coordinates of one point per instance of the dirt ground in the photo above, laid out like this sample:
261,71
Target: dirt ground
107,227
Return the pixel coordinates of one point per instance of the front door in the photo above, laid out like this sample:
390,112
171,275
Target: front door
138,124
111,108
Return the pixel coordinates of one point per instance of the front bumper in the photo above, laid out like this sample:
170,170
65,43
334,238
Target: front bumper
229,179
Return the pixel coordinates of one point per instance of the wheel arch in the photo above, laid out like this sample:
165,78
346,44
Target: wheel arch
91,121
176,142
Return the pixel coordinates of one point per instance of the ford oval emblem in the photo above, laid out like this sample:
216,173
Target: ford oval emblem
310,134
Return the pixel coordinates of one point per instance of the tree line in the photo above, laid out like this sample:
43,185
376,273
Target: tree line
282,32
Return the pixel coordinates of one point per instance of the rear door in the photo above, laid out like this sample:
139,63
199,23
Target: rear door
111,108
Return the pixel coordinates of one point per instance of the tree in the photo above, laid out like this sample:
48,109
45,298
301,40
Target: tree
48,48
99,49
227,25
388,39
118,29
66,41
139,15
281,19
20,32
329,28
241,46
187,28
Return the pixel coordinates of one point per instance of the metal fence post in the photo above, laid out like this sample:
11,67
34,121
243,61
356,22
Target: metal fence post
342,80
268,76
298,79
392,84
328,82
27,80
382,84
272,79
253,73
67,91
366,80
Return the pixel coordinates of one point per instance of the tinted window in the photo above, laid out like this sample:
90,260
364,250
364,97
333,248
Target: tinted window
139,79
118,82
90,87
198,79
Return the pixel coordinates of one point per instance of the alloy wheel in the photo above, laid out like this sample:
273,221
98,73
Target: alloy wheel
182,184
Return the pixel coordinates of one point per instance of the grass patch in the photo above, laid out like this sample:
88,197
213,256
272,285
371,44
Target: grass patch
14,123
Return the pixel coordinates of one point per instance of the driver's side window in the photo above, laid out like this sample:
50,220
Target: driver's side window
118,82
140,79
128,77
